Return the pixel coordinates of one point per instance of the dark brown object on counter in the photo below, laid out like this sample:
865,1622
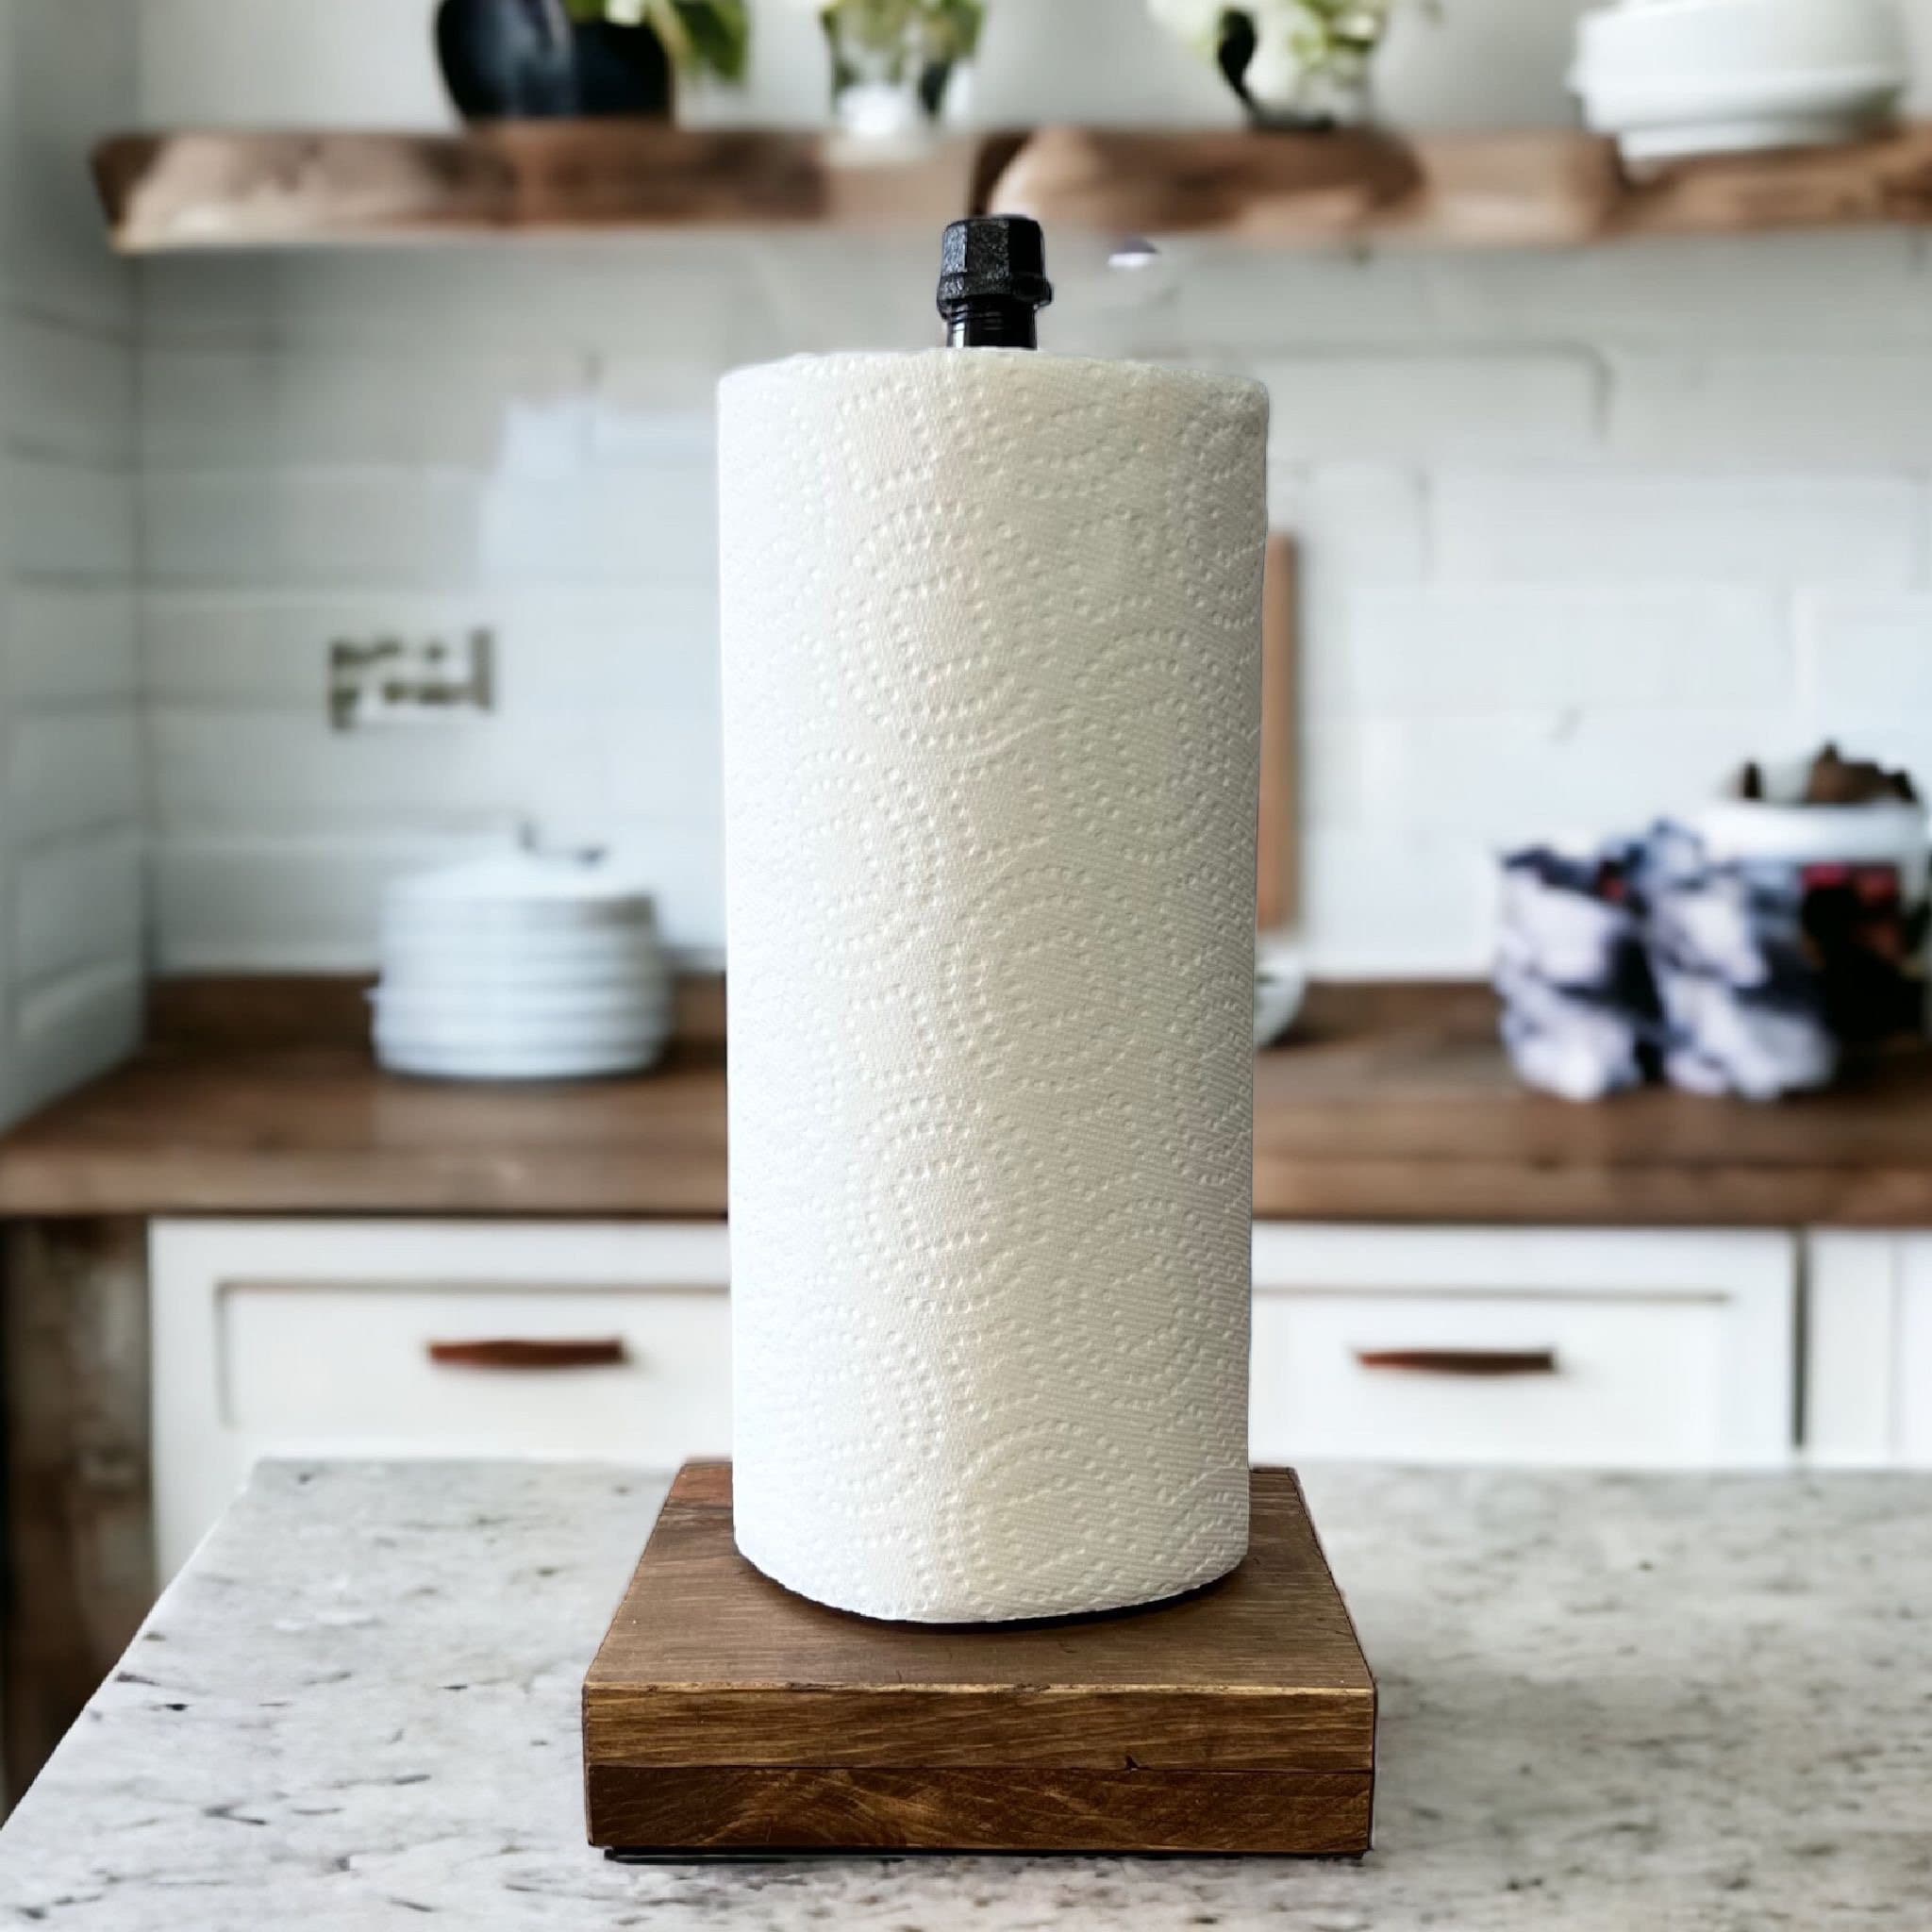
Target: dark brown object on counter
724,1714
1836,780
1833,780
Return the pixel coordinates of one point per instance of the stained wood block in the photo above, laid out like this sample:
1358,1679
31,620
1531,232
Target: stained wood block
724,1714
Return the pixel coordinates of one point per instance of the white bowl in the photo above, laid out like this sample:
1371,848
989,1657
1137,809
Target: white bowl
1670,40
1878,834
1671,77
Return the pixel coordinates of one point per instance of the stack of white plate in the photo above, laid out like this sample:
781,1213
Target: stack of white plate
1675,77
524,967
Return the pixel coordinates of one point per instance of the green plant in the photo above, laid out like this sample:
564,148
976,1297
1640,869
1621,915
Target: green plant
1278,53
900,40
700,35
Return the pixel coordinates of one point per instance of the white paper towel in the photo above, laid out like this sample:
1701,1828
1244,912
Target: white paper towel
991,643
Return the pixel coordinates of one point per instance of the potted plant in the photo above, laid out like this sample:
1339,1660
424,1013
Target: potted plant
893,62
541,58
1300,64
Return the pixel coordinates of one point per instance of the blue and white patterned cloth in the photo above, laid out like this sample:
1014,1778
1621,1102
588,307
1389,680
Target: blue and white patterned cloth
1648,958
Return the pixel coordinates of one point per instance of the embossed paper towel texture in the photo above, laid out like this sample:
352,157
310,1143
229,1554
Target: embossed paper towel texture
992,641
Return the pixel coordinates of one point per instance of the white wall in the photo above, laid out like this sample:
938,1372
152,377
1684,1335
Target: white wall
1584,531
72,791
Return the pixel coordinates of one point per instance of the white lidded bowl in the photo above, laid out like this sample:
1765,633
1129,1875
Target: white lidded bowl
522,966
519,891
1671,77
433,1060
644,1007
1883,833
497,967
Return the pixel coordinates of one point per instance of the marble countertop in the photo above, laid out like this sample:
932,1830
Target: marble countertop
1610,1705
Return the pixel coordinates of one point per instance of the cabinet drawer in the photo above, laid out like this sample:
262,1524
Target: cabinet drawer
429,1339
1607,1350
470,1369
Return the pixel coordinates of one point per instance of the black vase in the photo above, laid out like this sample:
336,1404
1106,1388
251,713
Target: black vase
508,60
621,70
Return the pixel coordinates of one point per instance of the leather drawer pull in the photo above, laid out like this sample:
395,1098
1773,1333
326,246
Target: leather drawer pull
529,1357
1490,1364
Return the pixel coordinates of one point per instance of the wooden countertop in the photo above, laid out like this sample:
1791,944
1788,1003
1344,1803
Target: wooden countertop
1394,1104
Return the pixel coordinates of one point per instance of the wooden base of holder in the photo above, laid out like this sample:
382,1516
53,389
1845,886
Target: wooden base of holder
726,1715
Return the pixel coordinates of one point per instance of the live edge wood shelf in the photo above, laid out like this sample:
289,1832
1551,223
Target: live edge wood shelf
1546,189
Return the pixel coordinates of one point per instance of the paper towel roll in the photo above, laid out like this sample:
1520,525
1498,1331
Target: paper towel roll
991,644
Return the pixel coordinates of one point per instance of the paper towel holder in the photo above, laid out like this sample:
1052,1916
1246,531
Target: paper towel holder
993,282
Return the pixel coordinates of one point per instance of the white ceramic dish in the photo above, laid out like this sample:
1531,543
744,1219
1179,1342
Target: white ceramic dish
623,1006
1882,834
508,920
518,892
488,972
1673,78
1281,986
521,967
430,1061
1678,39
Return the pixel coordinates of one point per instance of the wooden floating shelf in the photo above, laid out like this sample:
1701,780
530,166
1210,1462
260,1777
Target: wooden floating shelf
186,192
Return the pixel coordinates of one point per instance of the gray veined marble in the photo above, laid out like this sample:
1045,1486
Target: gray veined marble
1610,1705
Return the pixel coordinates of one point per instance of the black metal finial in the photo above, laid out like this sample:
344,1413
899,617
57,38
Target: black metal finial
993,282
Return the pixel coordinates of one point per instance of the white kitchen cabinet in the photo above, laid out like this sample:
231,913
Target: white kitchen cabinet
358,1340
1523,1346
1480,1345
1868,1323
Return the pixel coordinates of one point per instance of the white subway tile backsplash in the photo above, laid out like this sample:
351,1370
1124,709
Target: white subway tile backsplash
205,301
312,902
292,408
77,903
1867,654
312,528
69,522
1447,648
67,395
1511,779
268,650
1824,410
1264,302
306,904
638,524
1357,523
229,773
665,769
70,1029
685,296
1555,525
1857,285
1482,406
73,646
823,295
74,771
652,649
1397,904
1580,532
